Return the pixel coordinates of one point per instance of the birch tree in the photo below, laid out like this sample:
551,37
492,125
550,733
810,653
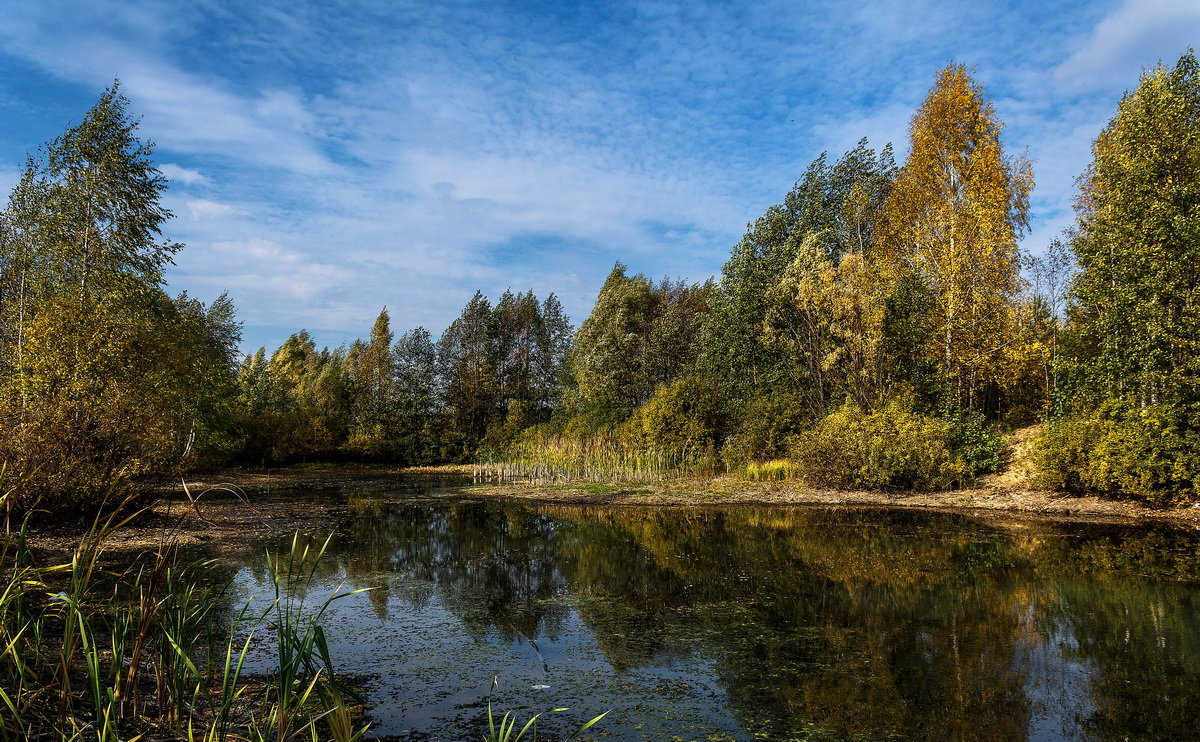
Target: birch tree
953,216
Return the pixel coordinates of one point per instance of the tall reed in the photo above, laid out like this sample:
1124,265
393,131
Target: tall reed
89,652
596,457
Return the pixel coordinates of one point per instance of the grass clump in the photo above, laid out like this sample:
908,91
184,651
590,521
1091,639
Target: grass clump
771,471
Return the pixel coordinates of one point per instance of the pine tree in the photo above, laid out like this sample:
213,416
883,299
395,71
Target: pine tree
552,350
466,365
415,359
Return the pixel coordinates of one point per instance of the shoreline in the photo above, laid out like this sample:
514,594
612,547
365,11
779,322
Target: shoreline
227,523
700,491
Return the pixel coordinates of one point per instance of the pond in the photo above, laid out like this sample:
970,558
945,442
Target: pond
742,623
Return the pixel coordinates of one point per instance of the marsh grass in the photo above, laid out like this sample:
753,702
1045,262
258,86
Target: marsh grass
593,458
770,471
93,652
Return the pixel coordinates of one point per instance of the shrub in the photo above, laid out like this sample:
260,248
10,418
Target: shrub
1145,453
971,437
890,448
765,427
682,417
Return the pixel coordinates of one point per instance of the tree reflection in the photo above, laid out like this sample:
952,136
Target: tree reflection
857,623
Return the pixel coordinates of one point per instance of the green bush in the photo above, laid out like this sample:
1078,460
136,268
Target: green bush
891,448
971,437
764,429
1148,453
683,417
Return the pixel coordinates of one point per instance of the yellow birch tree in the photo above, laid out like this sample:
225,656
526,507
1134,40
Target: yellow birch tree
953,217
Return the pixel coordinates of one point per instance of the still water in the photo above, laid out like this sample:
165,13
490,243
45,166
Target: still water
743,623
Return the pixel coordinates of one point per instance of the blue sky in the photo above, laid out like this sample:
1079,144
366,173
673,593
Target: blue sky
332,157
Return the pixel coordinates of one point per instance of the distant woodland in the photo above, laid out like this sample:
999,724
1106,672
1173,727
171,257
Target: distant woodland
879,328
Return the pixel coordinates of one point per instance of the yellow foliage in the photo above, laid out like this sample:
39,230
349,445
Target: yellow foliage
953,217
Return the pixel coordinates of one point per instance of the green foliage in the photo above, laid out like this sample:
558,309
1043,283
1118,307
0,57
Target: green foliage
500,368
106,383
295,405
1128,362
1124,451
90,654
892,448
1136,298
838,203
972,438
906,334
683,417
638,335
415,363
765,428
374,417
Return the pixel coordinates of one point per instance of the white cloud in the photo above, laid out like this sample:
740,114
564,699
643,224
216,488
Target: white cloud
204,210
336,158
1137,34
182,175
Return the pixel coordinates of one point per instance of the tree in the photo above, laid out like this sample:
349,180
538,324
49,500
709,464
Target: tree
104,380
608,355
1135,302
553,346
369,373
637,337
296,404
826,314
838,207
415,360
952,217
516,325
468,373
1130,355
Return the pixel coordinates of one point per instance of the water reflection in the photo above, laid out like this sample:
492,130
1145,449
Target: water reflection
774,623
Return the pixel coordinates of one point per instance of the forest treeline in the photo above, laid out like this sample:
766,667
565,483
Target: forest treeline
879,328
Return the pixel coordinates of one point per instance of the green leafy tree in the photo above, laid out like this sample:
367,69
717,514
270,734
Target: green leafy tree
369,374
608,356
637,337
1129,361
106,383
1136,299
837,207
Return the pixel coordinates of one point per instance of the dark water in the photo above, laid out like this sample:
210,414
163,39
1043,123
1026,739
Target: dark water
759,623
